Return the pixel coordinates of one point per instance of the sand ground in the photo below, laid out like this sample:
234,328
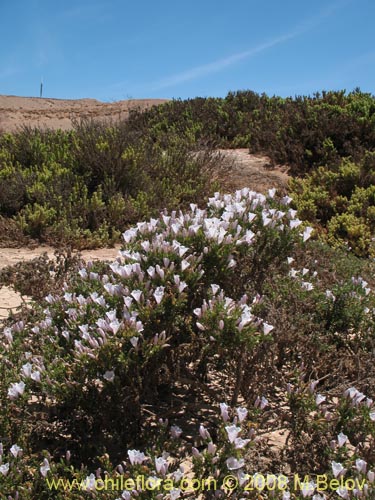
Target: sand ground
9,299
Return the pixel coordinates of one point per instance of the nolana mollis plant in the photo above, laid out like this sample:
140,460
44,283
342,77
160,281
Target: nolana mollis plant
85,378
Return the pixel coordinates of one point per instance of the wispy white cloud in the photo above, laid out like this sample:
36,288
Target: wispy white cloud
213,67
216,66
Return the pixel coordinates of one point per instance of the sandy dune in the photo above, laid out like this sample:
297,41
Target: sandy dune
59,113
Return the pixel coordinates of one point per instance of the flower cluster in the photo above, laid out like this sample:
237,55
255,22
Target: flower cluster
188,310
165,262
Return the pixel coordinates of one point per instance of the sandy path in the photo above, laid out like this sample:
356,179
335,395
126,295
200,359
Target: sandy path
9,299
10,256
253,171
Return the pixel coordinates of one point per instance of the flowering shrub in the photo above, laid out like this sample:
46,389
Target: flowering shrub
212,305
222,466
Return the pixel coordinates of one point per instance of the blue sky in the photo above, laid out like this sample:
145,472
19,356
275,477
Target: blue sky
119,49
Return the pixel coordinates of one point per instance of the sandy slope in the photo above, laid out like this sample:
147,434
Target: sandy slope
59,113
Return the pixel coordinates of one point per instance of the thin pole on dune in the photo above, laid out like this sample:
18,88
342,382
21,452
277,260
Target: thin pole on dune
41,87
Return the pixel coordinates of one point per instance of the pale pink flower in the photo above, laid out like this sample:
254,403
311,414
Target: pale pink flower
16,450
232,431
234,464
45,468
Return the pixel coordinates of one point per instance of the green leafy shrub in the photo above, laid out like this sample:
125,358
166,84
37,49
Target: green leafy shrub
303,132
86,186
340,201
148,161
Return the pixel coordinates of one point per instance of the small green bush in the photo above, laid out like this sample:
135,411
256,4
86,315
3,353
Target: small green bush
86,186
340,201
